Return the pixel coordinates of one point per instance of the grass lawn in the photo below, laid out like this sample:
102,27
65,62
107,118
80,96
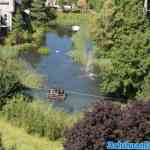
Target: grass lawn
16,136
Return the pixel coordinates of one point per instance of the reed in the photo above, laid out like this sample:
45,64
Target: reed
14,138
38,118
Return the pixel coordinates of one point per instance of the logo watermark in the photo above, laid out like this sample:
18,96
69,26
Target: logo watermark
127,146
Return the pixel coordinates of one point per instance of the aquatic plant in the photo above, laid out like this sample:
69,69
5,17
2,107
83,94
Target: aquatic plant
79,54
43,50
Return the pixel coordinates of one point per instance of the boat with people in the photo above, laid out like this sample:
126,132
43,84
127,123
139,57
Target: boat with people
57,94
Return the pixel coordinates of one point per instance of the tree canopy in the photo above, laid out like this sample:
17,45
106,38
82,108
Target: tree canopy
123,38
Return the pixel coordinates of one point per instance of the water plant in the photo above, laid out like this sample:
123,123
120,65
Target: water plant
43,50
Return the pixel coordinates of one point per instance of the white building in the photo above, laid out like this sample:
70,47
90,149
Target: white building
147,7
7,7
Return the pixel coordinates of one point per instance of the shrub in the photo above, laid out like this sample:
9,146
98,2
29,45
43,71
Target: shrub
9,86
145,91
92,131
38,36
134,122
37,118
109,122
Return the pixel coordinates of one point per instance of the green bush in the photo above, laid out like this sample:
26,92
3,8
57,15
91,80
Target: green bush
9,86
26,47
37,117
38,36
145,90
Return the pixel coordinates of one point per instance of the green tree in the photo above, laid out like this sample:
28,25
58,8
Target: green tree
123,38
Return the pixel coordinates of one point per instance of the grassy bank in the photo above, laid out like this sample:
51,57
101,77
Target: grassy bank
38,118
23,41
13,136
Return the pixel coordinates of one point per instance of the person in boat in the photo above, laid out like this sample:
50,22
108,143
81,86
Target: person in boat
56,91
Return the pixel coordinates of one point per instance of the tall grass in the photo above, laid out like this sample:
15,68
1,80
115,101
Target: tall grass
17,137
8,52
37,118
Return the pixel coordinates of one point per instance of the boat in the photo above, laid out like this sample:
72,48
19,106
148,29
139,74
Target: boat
57,94
75,28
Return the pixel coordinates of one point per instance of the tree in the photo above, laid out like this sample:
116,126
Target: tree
123,38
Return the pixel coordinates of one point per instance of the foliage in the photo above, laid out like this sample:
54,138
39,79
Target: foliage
1,143
109,122
123,38
41,14
75,19
67,2
38,36
96,4
17,137
18,21
9,82
43,50
17,38
23,41
7,53
145,91
82,37
79,53
37,118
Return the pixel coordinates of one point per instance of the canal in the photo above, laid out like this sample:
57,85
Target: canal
62,72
